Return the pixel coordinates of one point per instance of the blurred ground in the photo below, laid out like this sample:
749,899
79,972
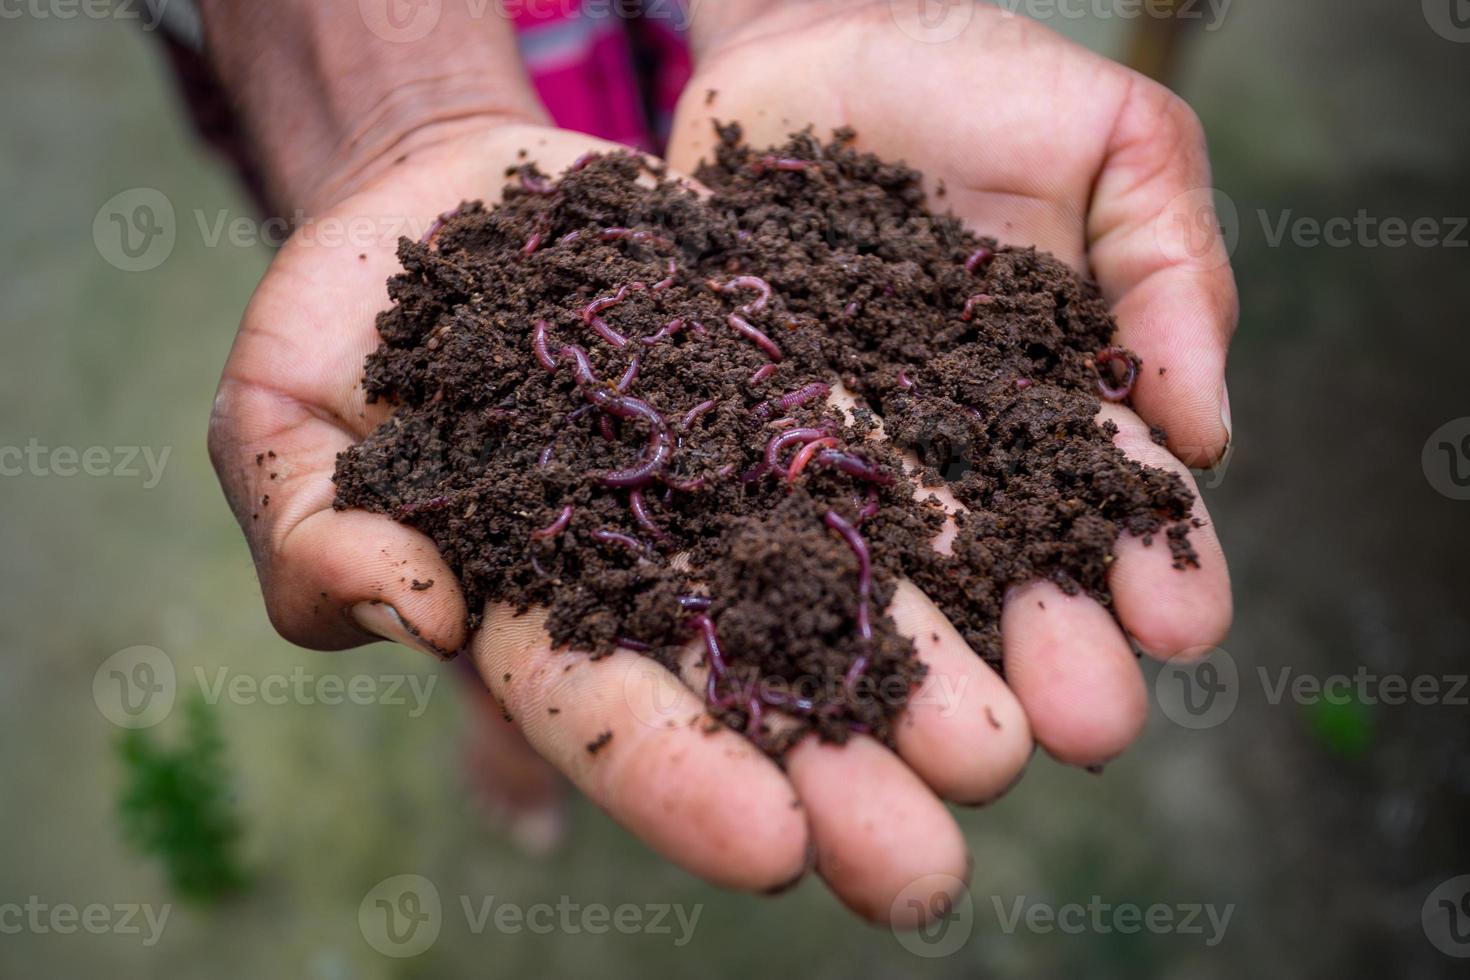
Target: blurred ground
1326,827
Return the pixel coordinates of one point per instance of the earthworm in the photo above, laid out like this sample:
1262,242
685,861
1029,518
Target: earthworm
716,657
591,310
904,381
545,458
698,603
607,536
629,376
605,429
683,486
745,282
538,344
783,439
854,672
1116,392
859,548
802,395
667,281
640,514
434,228
761,374
1023,383
582,161
978,258
772,162
805,453
853,466
433,503
694,414
850,310
761,340
533,243
570,236
667,330
979,299
639,237
555,527
632,644
869,508
535,185
657,450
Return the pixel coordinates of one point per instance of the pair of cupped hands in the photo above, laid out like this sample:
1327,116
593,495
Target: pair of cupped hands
1036,141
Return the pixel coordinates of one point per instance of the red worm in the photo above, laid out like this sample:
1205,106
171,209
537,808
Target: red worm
639,237
683,486
805,453
538,344
1110,391
629,376
698,603
1023,383
582,161
535,185
591,310
695,413
802,395
869,508
979,258
433,503
853,466
619,538
979,299
859,548
570,236
904,381
783,439
762,287
555,527
632,644
656,451
669,329
533,243
640,514
667,281
761,374
772,162
761,340
434,228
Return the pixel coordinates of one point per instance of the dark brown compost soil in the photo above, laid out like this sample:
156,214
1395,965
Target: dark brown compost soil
611,401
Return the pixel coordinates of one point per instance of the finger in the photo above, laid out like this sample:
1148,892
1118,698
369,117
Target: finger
1073,672
1167,610
1161,261
331,579
698,793
963,731
876,826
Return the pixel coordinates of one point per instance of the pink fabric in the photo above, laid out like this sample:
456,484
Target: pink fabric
602,71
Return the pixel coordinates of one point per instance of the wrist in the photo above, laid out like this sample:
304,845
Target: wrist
328,98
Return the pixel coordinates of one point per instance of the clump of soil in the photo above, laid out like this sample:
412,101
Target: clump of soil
611,400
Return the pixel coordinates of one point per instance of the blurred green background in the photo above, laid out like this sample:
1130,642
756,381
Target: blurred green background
1324,827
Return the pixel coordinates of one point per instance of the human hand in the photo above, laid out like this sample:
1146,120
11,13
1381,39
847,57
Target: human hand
1035,141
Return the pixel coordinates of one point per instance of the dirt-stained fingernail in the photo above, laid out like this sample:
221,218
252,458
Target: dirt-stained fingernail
381,619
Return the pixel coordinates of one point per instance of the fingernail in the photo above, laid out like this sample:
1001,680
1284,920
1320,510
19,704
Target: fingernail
381,619
1225,414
